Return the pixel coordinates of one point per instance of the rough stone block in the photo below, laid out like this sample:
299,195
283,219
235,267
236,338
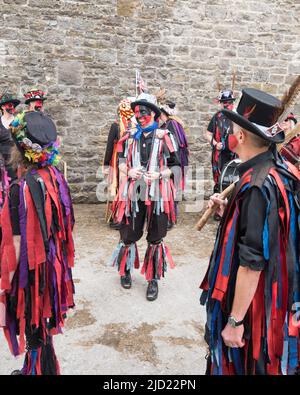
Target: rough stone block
70,73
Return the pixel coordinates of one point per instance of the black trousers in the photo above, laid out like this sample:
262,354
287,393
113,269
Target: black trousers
133,231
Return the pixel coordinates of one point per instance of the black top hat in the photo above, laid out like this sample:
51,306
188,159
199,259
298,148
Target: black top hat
147,100
9,98
34,95
258,113
226,95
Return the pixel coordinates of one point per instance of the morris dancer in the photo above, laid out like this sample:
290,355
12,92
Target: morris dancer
252,287
37,251
291,150
175,125
35,99
110,163
8,104
217,135
146,194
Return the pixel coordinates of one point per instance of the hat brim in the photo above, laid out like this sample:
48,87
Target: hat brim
152,106
164,111
33,99
15,102
226,100
247,125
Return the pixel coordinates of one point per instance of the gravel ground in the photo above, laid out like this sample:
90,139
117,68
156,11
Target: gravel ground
117,331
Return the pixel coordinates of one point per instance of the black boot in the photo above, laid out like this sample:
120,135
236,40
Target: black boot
152,290
115,225
126,280
16,373
170,226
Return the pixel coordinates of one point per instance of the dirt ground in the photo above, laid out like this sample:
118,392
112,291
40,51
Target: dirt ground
117,331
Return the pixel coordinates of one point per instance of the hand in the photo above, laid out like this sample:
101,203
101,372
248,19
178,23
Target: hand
151,176
105,170
216,201
135,173
219,146
233,337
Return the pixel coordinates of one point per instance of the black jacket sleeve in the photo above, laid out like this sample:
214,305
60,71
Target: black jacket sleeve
14,209
212,125
251,225
113,137
173,158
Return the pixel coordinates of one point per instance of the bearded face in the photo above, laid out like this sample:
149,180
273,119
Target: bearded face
143,115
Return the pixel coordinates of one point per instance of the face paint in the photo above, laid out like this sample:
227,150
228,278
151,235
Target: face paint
228,105
232,142
286,125
38,106
142,115
10,108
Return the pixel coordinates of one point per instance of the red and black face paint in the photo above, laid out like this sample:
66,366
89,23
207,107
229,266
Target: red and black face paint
228,105
38,105
9,107
142,115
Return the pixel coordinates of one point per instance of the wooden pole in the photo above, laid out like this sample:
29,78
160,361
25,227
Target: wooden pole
209,212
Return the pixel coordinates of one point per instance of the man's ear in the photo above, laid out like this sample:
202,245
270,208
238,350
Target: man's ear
242,136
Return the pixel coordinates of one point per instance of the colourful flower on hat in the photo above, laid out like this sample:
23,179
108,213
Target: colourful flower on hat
41,155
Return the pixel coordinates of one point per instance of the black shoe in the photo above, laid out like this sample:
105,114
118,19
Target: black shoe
126,280
16,373
115,225
170,226
152,290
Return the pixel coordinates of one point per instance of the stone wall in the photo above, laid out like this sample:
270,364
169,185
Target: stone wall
85,52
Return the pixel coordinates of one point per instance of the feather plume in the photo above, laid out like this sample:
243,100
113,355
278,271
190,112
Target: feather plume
248,111
289,98
161,96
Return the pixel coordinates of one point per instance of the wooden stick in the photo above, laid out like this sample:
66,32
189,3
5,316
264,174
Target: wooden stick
209,211
108,212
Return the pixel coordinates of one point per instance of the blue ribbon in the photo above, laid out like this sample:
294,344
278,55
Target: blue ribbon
141,130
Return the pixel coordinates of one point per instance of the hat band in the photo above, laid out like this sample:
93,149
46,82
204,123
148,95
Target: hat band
269,131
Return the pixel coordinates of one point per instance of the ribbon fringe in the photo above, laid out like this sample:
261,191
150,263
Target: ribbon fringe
155,261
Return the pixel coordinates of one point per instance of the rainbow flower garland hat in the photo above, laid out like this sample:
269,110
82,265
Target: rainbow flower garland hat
36,137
